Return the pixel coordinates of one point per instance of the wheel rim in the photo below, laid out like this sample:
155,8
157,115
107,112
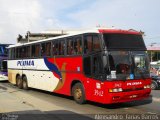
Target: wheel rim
78,93
153,86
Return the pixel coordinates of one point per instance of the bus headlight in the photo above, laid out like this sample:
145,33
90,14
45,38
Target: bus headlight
116,90
147,86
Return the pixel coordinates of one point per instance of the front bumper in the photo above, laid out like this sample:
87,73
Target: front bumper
126,96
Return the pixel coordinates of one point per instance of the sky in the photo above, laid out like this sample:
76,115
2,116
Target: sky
20,16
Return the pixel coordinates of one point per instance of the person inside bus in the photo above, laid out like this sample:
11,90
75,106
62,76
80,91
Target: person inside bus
55,48
61,48
79,47
70,48
88,45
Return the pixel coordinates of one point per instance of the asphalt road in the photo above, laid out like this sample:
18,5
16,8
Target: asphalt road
21,104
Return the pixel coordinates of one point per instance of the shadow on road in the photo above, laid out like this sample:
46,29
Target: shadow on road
49,115
108,106
3,88
124,105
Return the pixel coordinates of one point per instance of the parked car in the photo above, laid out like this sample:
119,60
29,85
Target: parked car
155,82
155,69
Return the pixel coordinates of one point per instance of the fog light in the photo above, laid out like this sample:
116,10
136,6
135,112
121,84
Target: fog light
116,90
147,86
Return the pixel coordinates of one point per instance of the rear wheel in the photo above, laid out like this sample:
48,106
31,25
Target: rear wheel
25,83
78,93
153,85
19,82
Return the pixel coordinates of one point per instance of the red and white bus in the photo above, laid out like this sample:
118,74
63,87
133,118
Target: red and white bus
101,65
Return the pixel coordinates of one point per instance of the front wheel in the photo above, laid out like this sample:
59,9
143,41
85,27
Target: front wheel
153,86
78,93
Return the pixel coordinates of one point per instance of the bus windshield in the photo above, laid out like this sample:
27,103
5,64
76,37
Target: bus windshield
125,65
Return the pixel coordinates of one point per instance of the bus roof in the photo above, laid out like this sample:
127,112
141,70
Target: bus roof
96,30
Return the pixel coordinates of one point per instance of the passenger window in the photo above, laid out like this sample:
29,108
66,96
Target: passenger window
69,46
88,44
78,46
74,46
48,49
55,48
35,50
96,43
43,49
13,53
10,53
28,51
61,47
19,53
91,44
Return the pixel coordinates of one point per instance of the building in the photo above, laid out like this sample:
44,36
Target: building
154,52
30,37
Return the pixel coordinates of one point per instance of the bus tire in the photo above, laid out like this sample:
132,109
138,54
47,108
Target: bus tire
25,83
154,85
19,82
78,93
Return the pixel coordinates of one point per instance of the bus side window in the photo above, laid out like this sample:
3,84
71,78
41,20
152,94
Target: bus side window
78,45
43,49
28,51
19,52
10,53
35,50
75,47
55,48
69,46
48,49
24,52
61,47
87,44
13,53
96,43
91,44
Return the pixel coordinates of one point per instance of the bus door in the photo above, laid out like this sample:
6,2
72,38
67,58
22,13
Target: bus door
93,69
